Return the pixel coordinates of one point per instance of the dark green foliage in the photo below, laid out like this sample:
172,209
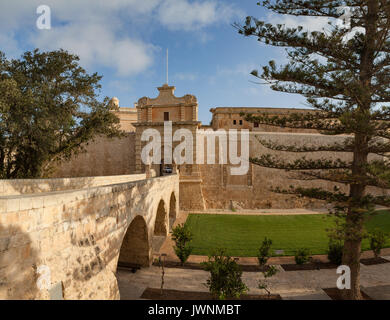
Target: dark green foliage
182,237
183,252
225,276
380,172
302,256
378,240
264,251
335,252
49,110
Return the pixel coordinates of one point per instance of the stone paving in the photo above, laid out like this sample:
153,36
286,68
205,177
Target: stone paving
375,281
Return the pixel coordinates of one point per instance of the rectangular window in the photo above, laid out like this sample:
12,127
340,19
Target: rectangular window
256,124
240,122
234,122
166,116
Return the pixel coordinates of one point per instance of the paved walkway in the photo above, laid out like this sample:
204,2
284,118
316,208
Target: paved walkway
375,281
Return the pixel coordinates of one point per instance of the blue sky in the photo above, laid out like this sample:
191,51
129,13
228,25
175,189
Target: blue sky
126,41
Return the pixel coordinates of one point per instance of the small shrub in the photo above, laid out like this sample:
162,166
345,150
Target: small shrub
263,284
335,251
302,256
264,251
182,236
225,276
378,240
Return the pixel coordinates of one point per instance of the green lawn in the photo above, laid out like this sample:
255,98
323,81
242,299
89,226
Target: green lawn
242,235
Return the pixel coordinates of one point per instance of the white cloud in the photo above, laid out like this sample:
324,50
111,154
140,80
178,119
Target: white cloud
105,33
185,15
9,45
310,23
98,44
14,13
92,29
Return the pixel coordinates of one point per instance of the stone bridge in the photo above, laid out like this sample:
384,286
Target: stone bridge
66,236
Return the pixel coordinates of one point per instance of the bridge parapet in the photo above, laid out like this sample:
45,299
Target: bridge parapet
31,186
76,236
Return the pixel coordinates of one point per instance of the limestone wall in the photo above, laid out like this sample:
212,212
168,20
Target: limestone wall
230,118
252,190
76,235
127,117
103,157
218,187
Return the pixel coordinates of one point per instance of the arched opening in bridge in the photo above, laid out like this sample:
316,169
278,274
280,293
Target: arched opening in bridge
172,210
135,249
160,226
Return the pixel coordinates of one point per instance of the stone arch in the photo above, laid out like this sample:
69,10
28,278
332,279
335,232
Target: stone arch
135,249
172,210
160,225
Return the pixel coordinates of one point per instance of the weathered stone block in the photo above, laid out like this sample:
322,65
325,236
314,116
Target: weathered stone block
25,204
37,202
3,205
13,204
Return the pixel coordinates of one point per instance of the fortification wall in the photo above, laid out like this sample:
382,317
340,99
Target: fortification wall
219,188
251,191
103,157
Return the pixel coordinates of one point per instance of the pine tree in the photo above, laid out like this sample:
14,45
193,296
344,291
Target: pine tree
344,72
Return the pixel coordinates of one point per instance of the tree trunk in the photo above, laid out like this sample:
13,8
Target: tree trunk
355,219
351,258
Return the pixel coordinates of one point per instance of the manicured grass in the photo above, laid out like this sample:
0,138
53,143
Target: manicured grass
242,235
